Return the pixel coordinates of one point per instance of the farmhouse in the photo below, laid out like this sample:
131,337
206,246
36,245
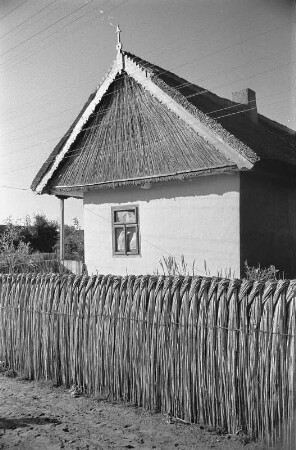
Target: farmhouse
165,167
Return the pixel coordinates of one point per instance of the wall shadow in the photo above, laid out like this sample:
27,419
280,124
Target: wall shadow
199,186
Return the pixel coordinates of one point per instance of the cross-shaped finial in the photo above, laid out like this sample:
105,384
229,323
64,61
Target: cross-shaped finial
119,44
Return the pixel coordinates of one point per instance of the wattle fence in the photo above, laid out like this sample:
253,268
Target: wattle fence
212,351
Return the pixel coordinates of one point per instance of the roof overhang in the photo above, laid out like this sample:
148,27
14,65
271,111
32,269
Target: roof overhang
140,181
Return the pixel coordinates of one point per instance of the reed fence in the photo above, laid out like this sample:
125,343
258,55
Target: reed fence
213,351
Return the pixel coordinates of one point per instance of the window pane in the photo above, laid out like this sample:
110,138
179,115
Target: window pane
131,239
119,239
125,216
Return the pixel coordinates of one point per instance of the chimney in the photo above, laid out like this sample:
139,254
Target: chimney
247,99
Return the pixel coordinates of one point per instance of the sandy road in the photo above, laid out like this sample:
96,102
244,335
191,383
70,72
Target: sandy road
37,415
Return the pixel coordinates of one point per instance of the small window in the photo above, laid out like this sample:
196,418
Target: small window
125,230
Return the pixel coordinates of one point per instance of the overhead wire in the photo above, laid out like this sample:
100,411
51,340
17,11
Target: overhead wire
186,97
106,12
190,61
45,29
27,20
30,146
231,81
95,114
9,65
92,212
59,125
31,124
187,83
109,221
77,151
61,89
71,153
181,86
210,54
127,0
196,32
48,93
57,31
16,188
18,6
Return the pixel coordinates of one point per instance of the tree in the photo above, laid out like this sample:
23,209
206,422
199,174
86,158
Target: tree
74,241
13,251
44,234
41,233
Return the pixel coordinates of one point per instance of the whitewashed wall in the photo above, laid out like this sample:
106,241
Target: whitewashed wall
198,218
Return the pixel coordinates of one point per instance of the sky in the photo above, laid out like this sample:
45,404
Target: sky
54,53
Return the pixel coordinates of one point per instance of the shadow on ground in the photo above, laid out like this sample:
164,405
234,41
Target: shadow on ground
11,424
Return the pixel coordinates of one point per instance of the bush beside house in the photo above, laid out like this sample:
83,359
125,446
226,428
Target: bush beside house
33,246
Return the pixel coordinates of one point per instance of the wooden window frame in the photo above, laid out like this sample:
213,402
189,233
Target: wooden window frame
125,226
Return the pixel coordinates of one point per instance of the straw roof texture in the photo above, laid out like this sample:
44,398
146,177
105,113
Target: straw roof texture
132,137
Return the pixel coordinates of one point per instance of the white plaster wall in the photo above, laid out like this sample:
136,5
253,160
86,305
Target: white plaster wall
197,218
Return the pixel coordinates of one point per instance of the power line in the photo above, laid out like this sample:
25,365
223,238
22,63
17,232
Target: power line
77,150
142,239
8,66
62,89
14,187
58,30
18,6
35,134
18,169
50,93
29,147
209,76
189,83
205,28
242,41
204,55
186,97
232,45
45,29
27,20
49,140
38,121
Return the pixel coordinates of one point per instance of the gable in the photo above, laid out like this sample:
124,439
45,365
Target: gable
132,136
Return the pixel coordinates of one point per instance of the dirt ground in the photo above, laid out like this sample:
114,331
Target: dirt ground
37,415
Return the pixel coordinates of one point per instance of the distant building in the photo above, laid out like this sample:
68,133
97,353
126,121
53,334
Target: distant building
166,167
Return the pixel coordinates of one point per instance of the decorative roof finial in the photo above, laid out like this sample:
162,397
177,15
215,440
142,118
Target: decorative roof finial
119,44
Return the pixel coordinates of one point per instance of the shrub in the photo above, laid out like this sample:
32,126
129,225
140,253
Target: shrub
13,252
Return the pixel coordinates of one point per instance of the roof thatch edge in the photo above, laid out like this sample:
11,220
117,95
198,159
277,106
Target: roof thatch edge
150,179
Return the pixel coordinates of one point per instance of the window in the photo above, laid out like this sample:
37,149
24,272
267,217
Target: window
125,230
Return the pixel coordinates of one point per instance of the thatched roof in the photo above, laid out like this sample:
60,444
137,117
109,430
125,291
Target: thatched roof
144,124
